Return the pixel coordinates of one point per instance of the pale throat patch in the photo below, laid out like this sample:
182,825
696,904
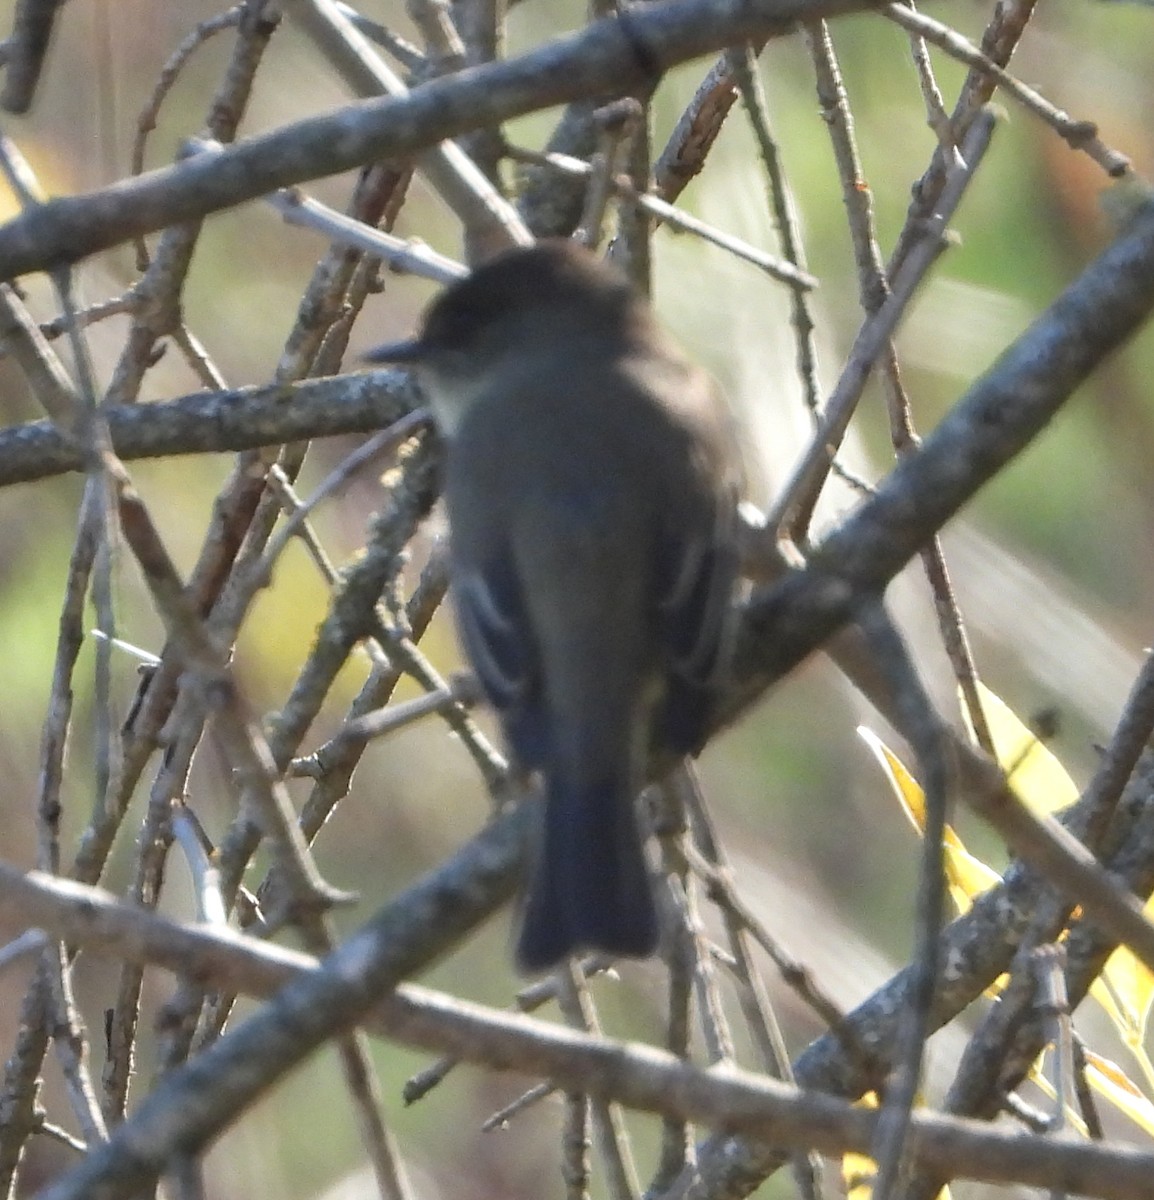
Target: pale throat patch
450,396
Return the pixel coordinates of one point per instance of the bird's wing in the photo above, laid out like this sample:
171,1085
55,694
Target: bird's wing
697,570
497,641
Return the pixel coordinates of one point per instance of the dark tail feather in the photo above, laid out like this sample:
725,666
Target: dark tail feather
590,887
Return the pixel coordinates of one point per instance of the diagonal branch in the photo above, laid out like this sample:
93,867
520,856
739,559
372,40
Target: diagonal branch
1004,411
757,1107
610,57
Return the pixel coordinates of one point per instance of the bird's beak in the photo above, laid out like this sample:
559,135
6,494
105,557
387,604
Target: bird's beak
411,351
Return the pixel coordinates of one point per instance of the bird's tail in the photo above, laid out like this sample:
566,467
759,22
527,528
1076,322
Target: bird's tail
590,886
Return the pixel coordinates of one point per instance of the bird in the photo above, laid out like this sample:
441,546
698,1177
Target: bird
591,480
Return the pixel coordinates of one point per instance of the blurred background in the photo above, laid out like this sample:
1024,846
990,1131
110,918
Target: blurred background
1054,563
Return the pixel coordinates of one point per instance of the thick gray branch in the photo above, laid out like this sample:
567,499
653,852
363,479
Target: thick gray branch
995,421
212,422
609,58
644,1078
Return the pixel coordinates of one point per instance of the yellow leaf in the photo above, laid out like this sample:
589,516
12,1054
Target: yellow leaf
1126,988
906,787
1130,984
1120,1014
858,1170
1127,984
1112,1083
967,876
1036,776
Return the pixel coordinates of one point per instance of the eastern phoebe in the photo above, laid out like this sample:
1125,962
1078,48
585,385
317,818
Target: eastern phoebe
592,486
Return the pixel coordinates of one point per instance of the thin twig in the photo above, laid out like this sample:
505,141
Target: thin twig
791,510
206,878
27,945
404,255
676,218
1079,135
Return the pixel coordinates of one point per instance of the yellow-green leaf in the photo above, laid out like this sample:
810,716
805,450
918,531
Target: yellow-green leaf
858,1170
1112,1083
966,875
1036,776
